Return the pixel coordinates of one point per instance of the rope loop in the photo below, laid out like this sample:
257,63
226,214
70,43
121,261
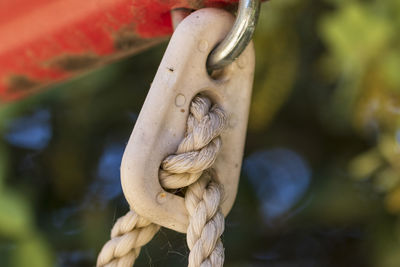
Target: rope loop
189,167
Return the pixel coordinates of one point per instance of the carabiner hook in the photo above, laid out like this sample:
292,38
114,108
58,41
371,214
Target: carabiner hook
236,40
239,36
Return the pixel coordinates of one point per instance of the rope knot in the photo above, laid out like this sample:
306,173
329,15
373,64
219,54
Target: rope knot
199,148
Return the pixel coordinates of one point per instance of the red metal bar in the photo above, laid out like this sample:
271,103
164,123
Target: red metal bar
46,41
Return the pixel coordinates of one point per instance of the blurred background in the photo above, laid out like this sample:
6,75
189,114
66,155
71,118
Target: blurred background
320,183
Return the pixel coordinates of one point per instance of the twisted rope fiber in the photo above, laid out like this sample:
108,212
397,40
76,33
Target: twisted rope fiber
187,168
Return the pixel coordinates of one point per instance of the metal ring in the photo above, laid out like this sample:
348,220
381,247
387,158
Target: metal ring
238,38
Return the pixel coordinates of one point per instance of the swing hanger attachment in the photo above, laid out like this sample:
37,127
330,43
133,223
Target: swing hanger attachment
161,124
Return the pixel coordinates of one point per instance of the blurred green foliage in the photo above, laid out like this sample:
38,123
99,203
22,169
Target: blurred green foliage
327,85
364,57
18,227
277,41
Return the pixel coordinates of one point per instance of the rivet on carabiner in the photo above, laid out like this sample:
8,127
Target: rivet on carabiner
162,121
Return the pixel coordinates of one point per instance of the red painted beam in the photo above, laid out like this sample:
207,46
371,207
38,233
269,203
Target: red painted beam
46,41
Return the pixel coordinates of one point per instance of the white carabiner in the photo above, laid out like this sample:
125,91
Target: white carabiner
161,124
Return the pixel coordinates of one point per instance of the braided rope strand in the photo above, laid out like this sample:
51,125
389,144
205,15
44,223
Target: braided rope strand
128,235
187,168
206,223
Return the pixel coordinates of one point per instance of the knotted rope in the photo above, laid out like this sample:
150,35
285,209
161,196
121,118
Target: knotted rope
185,169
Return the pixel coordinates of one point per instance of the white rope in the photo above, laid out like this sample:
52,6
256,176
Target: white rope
185,169
206,223
128,235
